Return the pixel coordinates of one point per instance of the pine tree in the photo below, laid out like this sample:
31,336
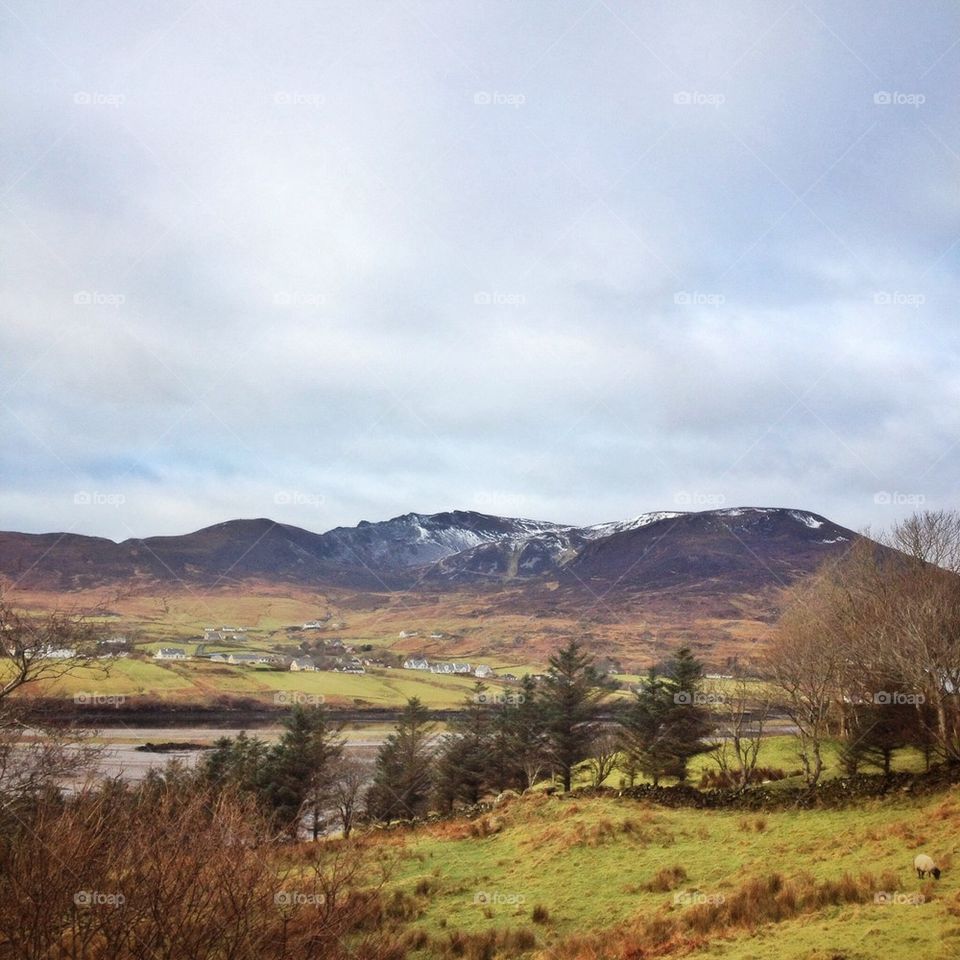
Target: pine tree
463,767
570,698
296,770
667,724
403,771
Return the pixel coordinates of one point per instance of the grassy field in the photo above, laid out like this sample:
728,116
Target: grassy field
604,868
198,682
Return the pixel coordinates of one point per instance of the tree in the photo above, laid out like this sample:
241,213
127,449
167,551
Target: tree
41,647
604,752
463,766
742,713
34,648
236,762
805,672
403,771
297,768
667,722
518,755
348,780
570,697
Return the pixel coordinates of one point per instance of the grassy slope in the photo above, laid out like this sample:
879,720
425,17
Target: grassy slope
587,861
197,682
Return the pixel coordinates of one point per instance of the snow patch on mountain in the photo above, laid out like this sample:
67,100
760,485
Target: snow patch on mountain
599,530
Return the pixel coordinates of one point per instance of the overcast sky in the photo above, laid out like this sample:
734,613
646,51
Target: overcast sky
332,261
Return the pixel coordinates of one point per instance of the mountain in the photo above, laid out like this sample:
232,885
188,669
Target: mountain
741,549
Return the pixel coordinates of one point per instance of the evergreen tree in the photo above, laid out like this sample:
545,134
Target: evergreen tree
690,722
464,764
570,699
296,770
645,724
667,724
236,761
521,738
403,771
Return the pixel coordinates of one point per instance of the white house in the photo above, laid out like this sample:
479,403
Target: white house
483,672
247,659
170,653
302,664
416,663
57,653
447,668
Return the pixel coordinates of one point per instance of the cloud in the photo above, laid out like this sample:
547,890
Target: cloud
573,262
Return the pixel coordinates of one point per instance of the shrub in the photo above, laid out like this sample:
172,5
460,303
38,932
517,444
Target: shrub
666,879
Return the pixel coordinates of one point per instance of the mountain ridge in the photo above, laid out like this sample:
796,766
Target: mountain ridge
760,545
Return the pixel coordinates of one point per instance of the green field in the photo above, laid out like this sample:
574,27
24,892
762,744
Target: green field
590,861
200,682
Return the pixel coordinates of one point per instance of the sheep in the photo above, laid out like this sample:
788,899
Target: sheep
924,865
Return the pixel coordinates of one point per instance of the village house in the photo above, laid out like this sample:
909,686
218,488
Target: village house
484,672
448,668
247,659
299,664
170,653
405,634
416,663
57,653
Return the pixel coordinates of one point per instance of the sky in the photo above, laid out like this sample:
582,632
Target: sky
332,261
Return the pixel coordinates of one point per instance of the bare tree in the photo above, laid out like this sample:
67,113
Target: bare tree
804,667
742,711
41,646
350,779
604,753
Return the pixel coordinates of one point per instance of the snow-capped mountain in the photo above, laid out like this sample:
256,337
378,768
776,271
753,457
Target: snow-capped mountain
747,545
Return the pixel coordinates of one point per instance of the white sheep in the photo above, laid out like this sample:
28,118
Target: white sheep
924,865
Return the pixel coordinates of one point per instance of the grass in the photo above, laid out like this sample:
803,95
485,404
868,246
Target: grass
198,682
604,868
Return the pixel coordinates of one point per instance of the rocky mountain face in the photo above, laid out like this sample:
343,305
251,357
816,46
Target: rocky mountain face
744,547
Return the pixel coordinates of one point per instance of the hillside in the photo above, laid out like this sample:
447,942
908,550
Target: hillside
600,878
753,546
457,584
